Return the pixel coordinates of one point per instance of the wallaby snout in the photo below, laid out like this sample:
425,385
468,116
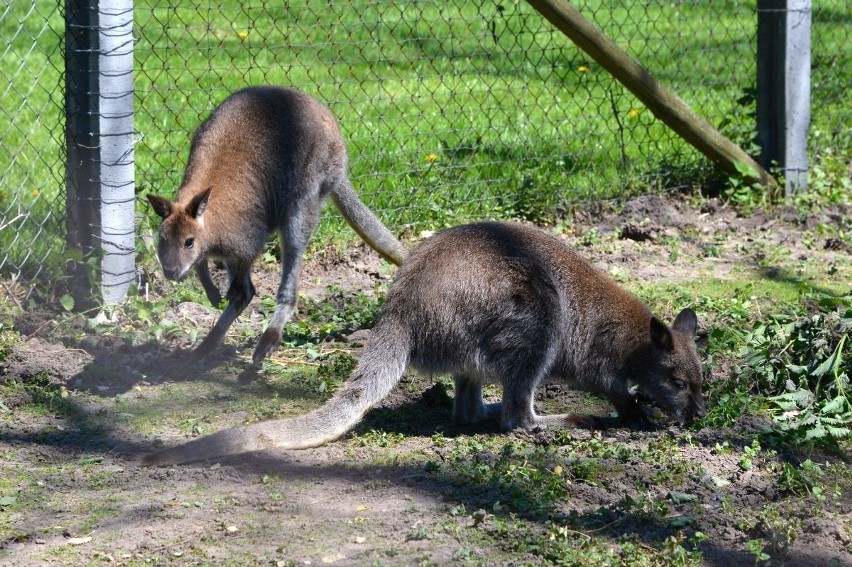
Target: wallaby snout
700,410
174,274
688,414
180,246
696,411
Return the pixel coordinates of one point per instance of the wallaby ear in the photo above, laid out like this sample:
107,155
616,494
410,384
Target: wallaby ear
661,336
163,207
686,322
198,204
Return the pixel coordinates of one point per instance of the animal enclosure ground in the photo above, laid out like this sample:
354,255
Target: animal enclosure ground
81,400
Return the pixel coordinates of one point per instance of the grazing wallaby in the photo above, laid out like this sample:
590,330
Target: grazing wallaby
494,302
263,161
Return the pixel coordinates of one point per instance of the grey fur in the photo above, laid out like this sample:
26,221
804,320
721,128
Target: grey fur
263,161
496,302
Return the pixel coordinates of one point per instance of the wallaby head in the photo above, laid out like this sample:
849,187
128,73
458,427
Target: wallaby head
181,234
671,372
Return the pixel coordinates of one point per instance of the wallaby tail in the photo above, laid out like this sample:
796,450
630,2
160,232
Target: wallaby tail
381,366
367,224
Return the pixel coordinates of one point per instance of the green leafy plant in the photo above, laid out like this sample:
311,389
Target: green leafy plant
334,370
750,452
774,532
802,480
338,314
804,412
528,479
755,547
745,195
828,175
801,364
676,552
8,336
590,238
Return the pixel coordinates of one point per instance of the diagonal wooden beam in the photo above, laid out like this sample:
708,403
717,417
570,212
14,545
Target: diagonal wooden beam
665,105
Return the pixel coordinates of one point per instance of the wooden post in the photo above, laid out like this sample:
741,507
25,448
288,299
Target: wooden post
82,164
666,106
783,88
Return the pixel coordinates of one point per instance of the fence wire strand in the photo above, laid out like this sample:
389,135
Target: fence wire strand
452,110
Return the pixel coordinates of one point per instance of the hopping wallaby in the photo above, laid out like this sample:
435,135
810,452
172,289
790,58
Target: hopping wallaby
263,161
496,302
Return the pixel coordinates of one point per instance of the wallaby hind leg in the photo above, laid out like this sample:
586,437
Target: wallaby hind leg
517,410
240,293
295,236
467,403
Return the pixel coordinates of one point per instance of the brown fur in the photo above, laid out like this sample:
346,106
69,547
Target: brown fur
504,303
263,161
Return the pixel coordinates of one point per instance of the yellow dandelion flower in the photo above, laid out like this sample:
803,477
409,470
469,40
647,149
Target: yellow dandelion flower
583,68
431,158
242,34
35,193
633,112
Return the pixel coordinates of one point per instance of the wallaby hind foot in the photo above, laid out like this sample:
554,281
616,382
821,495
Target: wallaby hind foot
466,411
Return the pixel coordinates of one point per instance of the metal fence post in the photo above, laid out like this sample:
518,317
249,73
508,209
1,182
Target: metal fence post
99,144
783,88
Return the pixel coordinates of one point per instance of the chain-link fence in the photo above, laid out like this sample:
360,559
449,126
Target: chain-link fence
453,110
32,145
450,108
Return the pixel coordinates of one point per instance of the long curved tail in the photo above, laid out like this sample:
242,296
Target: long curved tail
381,366
367,224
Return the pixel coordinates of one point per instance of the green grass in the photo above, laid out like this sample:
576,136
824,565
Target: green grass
509,494
453,111
31,153
446,121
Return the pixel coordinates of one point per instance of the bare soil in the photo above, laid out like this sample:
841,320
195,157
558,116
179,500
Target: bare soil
387,494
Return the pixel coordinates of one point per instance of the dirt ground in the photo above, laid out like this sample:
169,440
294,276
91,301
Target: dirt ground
390,493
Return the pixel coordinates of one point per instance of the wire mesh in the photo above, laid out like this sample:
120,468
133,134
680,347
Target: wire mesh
32,164
450,108
453,110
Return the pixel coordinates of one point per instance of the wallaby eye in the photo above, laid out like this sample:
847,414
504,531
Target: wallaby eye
680,384
189,242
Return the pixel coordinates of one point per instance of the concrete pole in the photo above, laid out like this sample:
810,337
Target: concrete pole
783,88
117,230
